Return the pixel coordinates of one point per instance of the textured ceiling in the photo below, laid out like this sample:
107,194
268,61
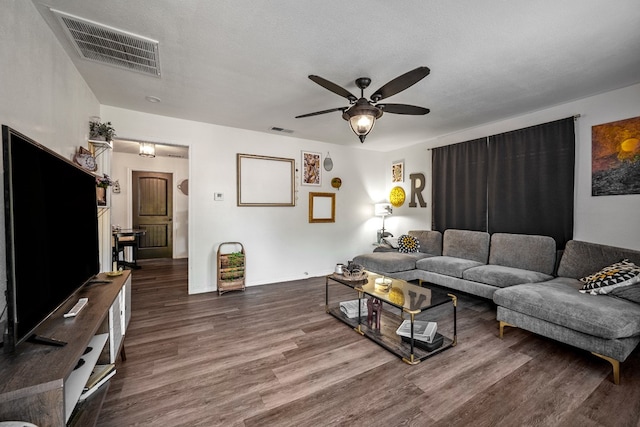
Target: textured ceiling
245,63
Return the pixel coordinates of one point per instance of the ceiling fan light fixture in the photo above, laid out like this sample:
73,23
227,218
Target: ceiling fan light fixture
362,118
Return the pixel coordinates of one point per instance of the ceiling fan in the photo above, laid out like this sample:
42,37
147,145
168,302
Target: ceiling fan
362,113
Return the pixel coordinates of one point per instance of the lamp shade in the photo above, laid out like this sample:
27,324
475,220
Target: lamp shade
147,149
383,209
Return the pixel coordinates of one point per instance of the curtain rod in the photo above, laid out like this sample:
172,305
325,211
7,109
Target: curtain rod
575,117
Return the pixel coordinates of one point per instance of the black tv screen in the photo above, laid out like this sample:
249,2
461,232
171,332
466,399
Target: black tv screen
51,231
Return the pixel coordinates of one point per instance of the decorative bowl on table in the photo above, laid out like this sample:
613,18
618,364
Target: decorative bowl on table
354,272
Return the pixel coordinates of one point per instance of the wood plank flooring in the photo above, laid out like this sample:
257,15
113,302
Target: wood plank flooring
271,356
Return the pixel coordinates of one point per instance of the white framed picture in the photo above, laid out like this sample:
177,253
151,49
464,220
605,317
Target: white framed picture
397,171
311,168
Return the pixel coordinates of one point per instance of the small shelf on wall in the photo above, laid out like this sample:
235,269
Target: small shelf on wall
99,147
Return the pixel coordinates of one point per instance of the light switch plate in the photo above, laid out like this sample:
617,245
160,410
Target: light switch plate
218,196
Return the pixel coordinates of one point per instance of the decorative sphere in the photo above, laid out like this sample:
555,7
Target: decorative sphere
396,296
397,196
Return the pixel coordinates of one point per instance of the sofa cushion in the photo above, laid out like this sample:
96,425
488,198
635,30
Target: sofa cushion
556,302
620,274
473,245
383,247
449,266
430,241
501,276
581,259
408,244
523,251
391,241
389,262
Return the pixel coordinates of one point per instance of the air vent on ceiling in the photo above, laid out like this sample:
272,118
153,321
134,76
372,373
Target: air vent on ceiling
277,129
100,43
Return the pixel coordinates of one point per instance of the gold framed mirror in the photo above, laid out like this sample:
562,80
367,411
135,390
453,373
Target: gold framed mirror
322,207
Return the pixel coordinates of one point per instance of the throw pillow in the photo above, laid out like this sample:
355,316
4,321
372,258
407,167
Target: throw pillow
408,244
631,293
391,241
620,274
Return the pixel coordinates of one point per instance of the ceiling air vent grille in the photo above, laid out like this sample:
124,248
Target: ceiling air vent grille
100,43
279,129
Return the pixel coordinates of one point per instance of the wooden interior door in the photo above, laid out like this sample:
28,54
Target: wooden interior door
153,212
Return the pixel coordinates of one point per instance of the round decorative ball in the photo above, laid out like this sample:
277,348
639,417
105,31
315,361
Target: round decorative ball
396,296
397,197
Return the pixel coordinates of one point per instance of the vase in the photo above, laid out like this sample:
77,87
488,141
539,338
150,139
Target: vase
101,196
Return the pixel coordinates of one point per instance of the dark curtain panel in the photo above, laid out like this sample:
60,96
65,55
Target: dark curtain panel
459,186
530,181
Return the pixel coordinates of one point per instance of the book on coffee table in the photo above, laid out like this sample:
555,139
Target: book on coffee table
435,344
422,330
350,308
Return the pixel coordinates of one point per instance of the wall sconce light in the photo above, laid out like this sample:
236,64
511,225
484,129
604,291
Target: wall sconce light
383,210
147,149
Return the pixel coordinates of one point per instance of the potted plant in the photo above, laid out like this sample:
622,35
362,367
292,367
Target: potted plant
101,131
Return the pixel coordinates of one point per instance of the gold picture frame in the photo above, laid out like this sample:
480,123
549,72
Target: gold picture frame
322,207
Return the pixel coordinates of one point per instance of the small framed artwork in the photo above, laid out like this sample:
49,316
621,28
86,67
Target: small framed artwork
311,168
397,171
322,207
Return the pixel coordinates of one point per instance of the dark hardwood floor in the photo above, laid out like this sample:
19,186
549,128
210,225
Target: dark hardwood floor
271,356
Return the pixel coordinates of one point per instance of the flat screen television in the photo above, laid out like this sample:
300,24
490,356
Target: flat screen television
51,231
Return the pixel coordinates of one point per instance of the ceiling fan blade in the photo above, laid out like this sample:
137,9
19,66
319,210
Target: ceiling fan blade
400,83
403,109
322,112
338,90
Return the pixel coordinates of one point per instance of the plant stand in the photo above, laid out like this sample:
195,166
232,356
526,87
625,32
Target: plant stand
231,268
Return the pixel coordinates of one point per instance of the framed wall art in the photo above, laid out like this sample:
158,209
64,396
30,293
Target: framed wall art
615,158
322,207
397,171
311,168
265,181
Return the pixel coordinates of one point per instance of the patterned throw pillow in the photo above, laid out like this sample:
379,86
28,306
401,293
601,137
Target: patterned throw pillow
408,244
623,273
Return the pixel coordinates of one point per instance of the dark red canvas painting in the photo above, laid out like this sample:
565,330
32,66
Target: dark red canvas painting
615,158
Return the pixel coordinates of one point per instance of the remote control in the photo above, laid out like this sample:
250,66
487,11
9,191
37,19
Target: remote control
76,308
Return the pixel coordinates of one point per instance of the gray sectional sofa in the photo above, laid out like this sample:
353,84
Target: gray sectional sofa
470,261
608,326
518,272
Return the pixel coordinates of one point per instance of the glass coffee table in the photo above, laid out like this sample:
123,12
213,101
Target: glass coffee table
398,300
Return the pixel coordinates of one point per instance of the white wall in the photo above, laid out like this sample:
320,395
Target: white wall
611,220
417,159
279,241
122,165
41,93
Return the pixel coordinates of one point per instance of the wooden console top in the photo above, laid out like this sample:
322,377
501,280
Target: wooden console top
36,368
